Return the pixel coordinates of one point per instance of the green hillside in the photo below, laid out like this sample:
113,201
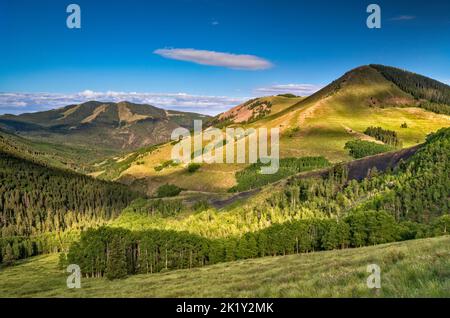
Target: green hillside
319,125
418,268
410,200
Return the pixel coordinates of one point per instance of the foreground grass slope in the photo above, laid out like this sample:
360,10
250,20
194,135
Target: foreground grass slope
419,268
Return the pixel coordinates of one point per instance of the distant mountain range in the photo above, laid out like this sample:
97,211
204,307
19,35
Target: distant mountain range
113,126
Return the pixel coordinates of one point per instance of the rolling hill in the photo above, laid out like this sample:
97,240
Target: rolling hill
319,125
105,126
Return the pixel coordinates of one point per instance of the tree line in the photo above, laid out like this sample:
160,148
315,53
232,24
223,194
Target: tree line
389,137
37,200
361,148
251,178
117,252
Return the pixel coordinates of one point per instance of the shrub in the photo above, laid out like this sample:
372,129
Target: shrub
166,164
200,206
192,167
288,95
168,190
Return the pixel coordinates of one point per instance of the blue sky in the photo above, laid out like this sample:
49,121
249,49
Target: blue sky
158,49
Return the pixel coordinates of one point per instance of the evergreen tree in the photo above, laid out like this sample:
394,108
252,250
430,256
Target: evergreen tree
8,256
116,260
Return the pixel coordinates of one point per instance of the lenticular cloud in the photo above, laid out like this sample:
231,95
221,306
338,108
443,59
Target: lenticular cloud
203,57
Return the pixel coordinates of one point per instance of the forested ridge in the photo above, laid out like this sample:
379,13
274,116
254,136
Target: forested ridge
410,201
36,201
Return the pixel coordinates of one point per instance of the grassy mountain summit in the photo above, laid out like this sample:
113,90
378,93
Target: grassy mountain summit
319,125
112,126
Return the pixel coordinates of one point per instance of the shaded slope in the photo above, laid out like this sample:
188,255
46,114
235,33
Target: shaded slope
50,154
40,205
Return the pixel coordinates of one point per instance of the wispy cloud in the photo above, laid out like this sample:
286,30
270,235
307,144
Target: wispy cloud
297,89
403,18
229,60
16,103
215,23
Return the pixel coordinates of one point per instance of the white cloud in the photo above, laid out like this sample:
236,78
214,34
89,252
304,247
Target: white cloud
233,61
403,18
297,89
30,102
215,23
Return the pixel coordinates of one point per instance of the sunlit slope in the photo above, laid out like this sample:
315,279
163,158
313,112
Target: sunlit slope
342,111
255,109
319,125
418,268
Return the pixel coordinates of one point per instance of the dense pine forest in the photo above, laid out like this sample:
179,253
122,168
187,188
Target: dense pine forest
38,204
409,201
421,87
